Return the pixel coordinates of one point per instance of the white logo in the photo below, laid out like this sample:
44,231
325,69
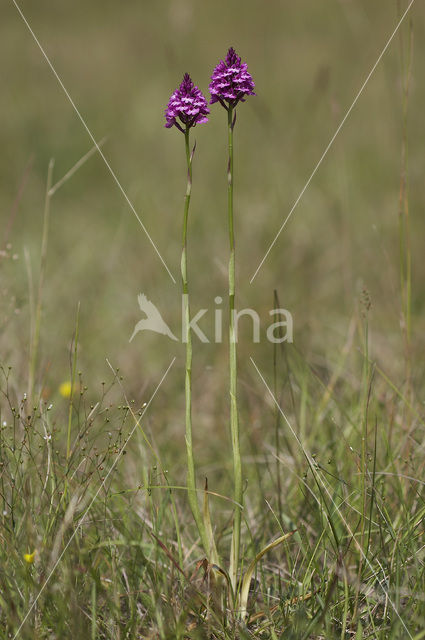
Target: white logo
153,320
277,332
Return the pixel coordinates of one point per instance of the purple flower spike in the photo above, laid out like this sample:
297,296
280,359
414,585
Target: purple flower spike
188,104
231,81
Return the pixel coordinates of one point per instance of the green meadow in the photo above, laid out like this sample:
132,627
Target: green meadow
97,536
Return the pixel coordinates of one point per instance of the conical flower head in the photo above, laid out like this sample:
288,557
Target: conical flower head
187,105
231,81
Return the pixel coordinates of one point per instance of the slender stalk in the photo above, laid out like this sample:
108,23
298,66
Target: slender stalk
35,328
363,457
73,373
93,611
71,402
277,416
234,420
191,480
404,222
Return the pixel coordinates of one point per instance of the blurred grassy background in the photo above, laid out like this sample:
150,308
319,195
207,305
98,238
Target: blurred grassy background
120,62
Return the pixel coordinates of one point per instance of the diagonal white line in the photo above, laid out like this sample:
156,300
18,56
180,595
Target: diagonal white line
332,140
83,122
80,522
325,487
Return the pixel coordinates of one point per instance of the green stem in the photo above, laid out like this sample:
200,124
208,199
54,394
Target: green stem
191,480
405,271
234,421
363,461
71,397
35,333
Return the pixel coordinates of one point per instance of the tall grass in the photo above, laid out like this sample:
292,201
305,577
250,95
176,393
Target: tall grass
406,59
353,564
36,315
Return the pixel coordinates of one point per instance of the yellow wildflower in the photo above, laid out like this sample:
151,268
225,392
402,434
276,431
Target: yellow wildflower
29,557
65,389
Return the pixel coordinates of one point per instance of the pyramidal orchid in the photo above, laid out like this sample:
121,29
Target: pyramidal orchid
186,108
230,84
231,81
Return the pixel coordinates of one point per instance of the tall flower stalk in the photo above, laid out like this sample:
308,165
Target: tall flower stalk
230,83
186,108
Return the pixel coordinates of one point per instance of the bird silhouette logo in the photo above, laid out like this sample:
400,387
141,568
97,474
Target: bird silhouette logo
153,321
